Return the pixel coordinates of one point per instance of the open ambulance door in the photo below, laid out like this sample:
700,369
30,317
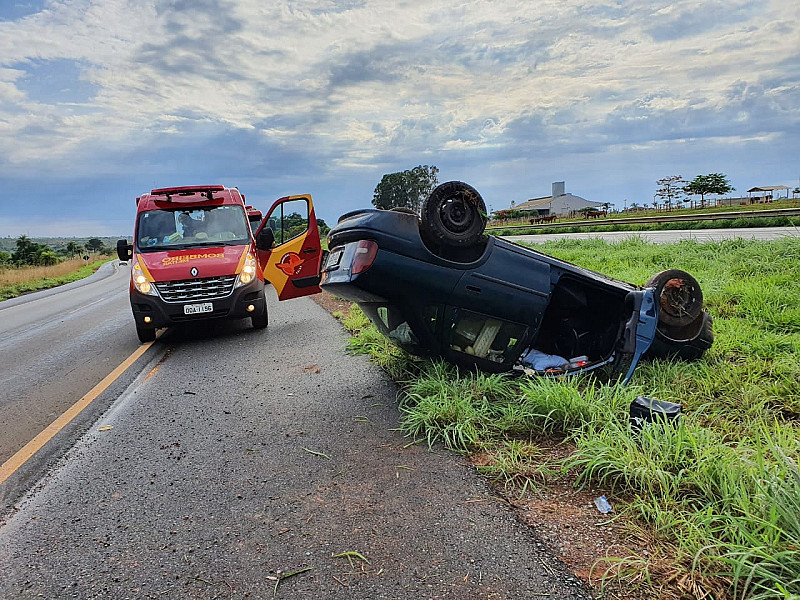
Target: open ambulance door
289,248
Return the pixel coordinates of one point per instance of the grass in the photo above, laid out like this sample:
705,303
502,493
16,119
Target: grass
609,225
18,281
720,490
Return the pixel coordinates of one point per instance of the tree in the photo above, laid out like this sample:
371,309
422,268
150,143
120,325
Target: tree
94,245
73,248
47,257
30,253
713,183
671,189
406,189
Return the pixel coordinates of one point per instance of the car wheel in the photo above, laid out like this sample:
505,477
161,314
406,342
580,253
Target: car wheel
260,321
146,334
666,346
679,297
454,215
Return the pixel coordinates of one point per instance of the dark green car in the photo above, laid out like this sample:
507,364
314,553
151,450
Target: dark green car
438,286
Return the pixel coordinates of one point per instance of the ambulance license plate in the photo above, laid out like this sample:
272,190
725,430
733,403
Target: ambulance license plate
196,309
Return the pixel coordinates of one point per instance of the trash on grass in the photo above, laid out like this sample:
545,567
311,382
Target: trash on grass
603,505
649,410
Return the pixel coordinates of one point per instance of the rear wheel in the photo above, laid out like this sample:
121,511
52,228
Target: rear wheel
679,297
454,215
145,334
666,346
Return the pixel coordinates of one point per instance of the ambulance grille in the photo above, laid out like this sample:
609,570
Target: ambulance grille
193,290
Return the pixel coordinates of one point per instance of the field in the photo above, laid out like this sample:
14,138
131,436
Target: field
718,494
609,223
17,281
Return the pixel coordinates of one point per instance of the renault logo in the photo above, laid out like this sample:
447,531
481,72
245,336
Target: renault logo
194,271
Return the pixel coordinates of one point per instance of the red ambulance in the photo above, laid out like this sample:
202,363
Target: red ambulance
194,256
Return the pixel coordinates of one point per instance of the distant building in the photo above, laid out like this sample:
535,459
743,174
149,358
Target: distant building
558,203
766,193
756,195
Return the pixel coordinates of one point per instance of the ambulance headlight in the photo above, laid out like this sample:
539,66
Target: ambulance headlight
248,271
141,281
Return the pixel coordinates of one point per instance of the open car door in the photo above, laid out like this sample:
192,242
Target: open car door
292,265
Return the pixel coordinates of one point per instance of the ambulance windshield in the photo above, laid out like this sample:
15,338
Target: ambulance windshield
179,228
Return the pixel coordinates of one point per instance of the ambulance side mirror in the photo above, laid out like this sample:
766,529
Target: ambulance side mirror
124,250
265,239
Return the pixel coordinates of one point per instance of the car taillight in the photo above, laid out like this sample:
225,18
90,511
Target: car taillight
365,256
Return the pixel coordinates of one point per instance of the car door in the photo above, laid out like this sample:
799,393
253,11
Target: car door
293,264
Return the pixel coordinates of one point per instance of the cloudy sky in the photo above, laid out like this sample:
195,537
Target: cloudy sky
102,100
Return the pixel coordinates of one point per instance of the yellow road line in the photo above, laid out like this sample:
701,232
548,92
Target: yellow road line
8,468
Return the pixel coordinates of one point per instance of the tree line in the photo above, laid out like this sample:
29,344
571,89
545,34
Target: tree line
676,189
30,253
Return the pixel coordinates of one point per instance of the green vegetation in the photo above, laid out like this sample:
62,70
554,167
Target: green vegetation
406,189
609,225
19,281
63,247
720,490
713,183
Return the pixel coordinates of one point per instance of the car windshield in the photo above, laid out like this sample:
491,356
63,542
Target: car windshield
179,228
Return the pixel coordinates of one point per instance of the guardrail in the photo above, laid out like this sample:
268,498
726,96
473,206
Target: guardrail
739,214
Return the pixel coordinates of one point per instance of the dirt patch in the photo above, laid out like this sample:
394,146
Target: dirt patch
566,519
331,303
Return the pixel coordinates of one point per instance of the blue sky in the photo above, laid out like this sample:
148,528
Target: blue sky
102,100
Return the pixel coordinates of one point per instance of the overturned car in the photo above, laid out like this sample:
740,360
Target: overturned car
438,286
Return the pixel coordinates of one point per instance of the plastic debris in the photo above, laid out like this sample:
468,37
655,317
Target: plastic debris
603,505
579,361
105,428
646,410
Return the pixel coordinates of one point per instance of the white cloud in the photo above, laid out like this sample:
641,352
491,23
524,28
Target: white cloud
377,82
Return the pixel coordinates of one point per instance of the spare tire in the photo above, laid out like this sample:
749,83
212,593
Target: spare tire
679,297
454,215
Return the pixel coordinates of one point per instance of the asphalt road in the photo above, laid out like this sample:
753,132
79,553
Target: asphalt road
55,345
237,457
665,237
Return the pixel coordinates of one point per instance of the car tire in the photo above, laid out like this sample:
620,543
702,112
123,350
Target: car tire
679,297
146,334
454,215
260,321
664,346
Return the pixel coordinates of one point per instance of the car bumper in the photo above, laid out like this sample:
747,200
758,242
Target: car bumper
154,312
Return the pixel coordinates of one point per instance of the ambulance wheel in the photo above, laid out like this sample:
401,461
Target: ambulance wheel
146,334
260,321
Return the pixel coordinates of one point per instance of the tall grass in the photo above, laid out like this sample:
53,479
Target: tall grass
721,488
21,280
